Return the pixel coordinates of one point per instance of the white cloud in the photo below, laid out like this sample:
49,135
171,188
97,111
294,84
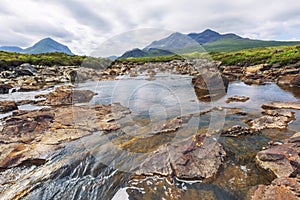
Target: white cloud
85,25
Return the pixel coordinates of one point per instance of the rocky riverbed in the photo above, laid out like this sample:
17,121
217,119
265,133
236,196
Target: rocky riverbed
175,130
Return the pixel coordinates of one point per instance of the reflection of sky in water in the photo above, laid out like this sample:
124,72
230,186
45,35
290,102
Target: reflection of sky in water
174,95
258,94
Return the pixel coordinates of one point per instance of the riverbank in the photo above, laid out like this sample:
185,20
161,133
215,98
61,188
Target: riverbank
150,122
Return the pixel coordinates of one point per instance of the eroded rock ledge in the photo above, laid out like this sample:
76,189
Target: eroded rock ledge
31,135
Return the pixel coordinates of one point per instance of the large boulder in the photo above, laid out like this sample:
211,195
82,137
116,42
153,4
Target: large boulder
65,95
25,70
210,86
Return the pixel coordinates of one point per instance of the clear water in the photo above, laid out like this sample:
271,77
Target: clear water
100,167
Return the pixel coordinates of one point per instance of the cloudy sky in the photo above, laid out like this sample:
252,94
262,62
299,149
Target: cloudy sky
84,25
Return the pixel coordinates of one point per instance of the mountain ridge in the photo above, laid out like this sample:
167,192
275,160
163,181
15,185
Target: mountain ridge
210,41
15,49
46,45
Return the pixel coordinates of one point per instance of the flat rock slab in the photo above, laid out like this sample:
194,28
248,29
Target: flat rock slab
278,113
237,99
280,189
269,122
282,105
283,160
195,158
51,127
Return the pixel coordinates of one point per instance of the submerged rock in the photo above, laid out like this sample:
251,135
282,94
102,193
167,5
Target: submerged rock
237,131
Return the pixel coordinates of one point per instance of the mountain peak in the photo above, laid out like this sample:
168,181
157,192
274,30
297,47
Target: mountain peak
209,31
48,39
206,36
47,45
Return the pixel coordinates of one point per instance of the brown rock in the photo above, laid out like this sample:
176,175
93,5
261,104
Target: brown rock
237,99
251,79
28,88
282,105
280,189
188,160
277,113
254,68
265,122
237,131
283,160
67,96
295,138
7,106
290,80
52,126
210,86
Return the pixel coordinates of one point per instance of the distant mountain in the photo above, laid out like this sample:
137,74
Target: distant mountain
11,49
47,45
152,52
134,53
209,36
176,42
112,58
211,41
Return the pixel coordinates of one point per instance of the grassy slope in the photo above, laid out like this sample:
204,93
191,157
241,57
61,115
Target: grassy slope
282,55
48,59
234,44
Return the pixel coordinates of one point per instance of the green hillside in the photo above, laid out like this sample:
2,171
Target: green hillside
282,55
236,44
48,59
47,45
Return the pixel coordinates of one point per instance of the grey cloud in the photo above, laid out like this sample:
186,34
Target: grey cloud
43,29
84,25
84,15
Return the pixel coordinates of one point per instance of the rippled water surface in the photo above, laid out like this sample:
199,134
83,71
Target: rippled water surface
100,166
